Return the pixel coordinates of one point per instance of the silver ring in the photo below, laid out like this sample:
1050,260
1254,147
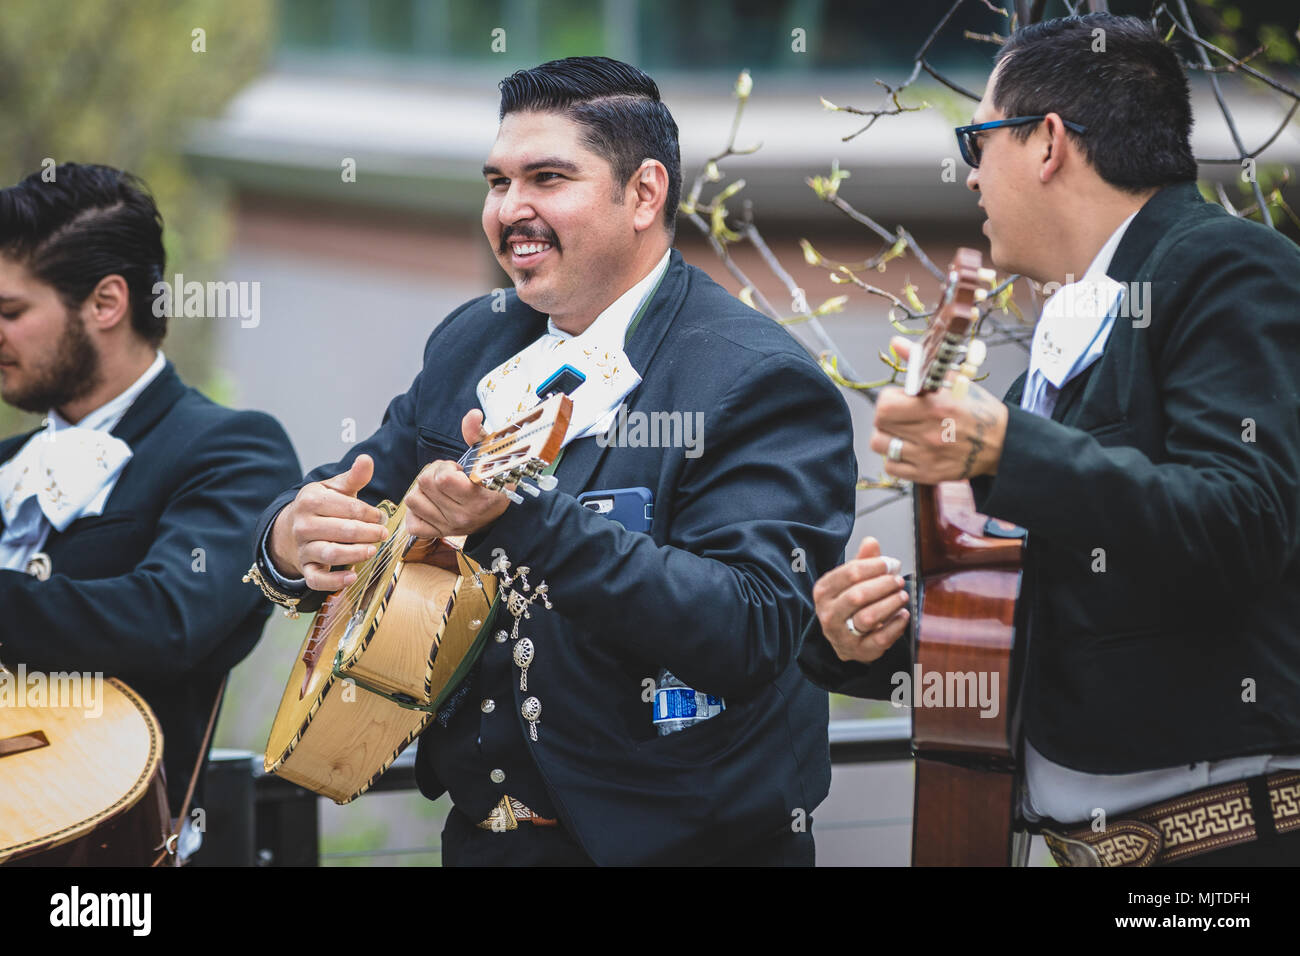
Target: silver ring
895,450
852,630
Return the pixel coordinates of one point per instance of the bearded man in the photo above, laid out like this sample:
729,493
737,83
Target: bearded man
125,515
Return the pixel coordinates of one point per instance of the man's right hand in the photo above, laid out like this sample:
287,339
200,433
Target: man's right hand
869,591
328,525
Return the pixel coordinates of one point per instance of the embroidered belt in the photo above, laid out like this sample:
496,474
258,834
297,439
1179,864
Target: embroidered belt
509,813
1186,826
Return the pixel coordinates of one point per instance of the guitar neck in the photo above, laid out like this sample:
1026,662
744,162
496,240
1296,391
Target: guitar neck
945,353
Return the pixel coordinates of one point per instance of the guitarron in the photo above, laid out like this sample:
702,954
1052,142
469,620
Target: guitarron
967,584
386,652
79,788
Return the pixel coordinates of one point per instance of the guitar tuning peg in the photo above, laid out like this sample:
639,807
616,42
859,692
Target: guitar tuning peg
975,353
547,482
530,489
512,496
988,275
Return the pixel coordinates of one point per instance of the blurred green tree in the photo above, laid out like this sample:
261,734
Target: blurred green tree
118,82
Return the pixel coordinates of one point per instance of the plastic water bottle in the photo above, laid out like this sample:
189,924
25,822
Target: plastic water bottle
677,706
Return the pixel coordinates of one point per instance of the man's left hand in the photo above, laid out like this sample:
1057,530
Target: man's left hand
445,503
944,439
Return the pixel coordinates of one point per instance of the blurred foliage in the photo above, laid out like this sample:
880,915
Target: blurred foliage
118,82
349,846
1234,25
844,707
393,828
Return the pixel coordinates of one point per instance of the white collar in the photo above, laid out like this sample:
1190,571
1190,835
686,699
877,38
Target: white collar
1073,327
107,416
612,324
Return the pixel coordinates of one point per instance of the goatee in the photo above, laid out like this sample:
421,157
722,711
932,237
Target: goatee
73,373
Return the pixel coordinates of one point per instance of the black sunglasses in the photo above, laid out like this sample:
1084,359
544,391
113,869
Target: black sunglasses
969,143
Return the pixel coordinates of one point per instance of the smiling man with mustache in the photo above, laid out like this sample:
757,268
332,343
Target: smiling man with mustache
710,583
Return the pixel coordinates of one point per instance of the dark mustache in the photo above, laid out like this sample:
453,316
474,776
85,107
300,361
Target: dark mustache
523,234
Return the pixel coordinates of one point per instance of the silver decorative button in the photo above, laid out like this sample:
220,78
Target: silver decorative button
501,637
532,711
475,624
498,776
488,706
523,653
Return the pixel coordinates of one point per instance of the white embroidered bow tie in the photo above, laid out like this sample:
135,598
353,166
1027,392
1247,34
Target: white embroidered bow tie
511,387
65,471
1065,339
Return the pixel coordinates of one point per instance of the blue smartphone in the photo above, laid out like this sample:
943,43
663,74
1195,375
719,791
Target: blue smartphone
633,508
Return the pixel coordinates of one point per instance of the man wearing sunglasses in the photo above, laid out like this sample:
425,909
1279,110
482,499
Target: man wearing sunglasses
1152,451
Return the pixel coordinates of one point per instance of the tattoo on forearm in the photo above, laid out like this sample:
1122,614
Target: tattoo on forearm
976,446
984,418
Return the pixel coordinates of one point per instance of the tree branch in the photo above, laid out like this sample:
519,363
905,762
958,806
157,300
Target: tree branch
1190,30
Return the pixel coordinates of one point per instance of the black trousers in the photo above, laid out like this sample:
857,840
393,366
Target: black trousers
464,844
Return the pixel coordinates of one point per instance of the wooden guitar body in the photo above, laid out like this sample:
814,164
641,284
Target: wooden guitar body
967,588
350,706
82,789
385,653
967,583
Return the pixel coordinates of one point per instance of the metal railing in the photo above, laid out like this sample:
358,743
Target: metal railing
264,820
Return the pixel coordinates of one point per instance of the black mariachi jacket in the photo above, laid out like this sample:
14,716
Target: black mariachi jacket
1174,463
719,591
126,596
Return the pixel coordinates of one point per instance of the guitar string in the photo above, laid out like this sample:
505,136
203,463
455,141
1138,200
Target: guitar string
385,557
377,566
352,596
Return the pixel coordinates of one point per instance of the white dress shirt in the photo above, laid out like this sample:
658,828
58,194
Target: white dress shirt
1080,317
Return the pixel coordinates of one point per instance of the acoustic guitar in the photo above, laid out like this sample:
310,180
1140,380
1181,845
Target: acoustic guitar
81,787
966,586
385,653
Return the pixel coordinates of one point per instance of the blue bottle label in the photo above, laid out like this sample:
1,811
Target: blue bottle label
685,703
675,703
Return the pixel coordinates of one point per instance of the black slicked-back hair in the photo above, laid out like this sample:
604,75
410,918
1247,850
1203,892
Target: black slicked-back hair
1124,84
618,107
87,223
